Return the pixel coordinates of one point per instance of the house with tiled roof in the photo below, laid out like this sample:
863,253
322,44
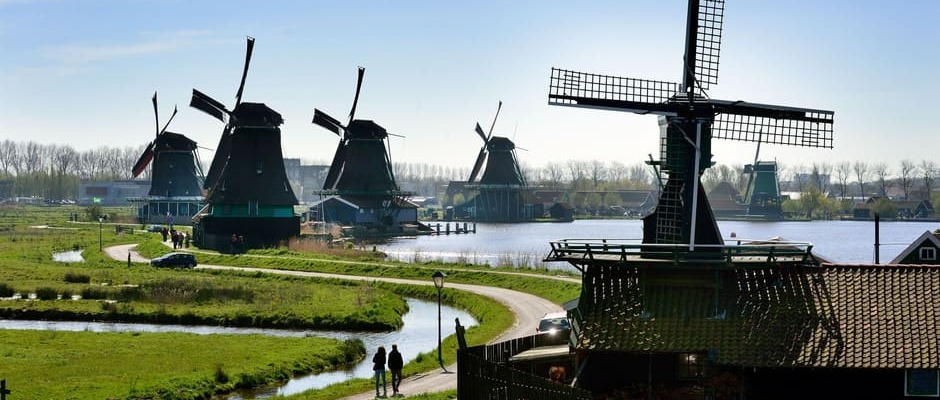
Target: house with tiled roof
762,323
725,201
754,320
904,208
924,250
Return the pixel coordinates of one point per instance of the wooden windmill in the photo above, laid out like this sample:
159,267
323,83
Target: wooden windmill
361,164
248,191
499,153
762,194
361,173
176,170
175,175
689,120
500,192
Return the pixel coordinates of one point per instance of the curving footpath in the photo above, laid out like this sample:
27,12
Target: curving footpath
527,308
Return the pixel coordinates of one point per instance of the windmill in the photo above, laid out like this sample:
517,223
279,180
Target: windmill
361,171
502,167
762,194
501,191
248,190
688,121
176,175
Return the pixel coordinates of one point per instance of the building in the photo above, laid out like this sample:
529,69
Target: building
924,250
111,193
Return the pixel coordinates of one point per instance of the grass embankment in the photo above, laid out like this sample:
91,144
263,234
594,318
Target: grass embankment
95,365
257,299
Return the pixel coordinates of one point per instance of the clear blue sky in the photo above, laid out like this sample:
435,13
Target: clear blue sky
81,72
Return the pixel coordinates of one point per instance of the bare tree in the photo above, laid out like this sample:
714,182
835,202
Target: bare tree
798,176
929,171
881,171
843,171
640,174
906,176
577,171
7,156
616,171
554,174
861,174
597,172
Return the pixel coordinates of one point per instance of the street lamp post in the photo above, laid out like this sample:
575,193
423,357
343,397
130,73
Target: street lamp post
100,220
438,278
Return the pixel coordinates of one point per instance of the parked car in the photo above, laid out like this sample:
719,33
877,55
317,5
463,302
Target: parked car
175,259
553,322
155,228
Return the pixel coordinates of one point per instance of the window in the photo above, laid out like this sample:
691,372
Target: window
691,366
928,253
922,382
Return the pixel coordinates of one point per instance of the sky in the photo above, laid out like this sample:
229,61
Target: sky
82,72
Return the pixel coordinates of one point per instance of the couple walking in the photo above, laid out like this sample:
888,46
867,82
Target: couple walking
395,364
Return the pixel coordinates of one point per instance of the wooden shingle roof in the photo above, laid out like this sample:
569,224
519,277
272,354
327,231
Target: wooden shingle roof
837,316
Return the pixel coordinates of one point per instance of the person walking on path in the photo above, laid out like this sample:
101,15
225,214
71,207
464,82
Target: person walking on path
378,366
395,364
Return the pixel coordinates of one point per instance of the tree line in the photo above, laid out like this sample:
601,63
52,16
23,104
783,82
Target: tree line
53,171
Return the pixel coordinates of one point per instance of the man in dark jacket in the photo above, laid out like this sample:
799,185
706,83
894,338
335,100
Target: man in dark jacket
395,364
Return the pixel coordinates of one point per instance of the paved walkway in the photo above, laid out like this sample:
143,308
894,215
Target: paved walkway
527,308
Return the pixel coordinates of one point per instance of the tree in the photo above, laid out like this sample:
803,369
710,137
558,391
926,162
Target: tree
884,208
861,174
596,171
881,171
929,170
843,170
906,176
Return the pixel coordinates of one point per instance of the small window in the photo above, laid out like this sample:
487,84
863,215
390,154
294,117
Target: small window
922,382
928,253
691,366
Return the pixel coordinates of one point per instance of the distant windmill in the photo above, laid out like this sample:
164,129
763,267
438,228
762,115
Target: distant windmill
361,164
762,194
249,193
176,170
502,167
361,174
500,194
175,176
688,122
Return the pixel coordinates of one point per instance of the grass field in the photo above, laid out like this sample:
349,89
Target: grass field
112,291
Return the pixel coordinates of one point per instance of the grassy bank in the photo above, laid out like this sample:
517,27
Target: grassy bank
93,365
142,293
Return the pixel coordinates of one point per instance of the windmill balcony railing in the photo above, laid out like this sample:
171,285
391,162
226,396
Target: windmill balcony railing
623,250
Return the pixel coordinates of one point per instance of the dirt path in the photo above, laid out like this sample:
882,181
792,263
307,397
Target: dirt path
527,308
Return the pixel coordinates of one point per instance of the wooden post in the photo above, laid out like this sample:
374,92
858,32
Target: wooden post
3,389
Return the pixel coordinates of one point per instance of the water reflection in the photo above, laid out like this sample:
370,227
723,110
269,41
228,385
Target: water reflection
417,335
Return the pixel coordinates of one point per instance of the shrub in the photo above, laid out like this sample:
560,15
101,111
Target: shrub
47,293
72,277
6,290
94,293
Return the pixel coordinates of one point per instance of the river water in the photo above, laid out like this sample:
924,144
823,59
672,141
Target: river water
417,335
526,244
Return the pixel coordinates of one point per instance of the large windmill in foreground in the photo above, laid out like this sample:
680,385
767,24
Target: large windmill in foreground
681,310
248,191
360,187
175,176
688,121
500,193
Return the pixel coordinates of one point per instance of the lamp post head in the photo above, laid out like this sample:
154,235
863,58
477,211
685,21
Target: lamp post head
100,219
438,278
